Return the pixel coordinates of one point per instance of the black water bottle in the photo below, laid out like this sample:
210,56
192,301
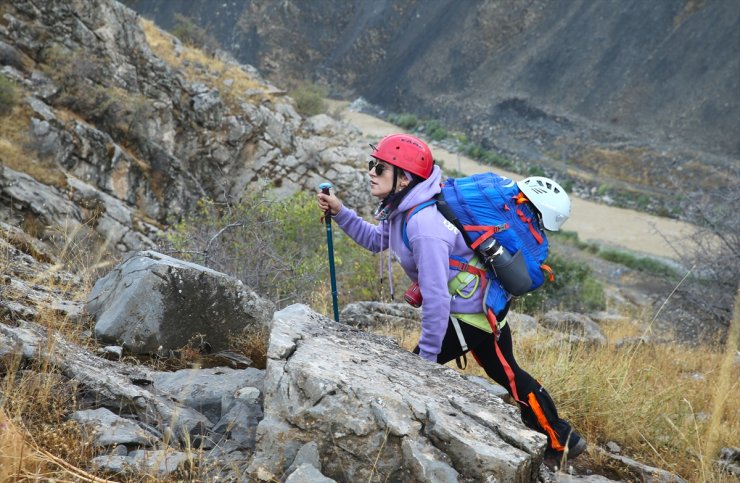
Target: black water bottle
510,270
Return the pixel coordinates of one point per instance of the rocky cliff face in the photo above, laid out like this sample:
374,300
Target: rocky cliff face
633,91
119,127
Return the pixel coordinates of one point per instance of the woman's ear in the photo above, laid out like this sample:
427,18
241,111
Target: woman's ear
403,182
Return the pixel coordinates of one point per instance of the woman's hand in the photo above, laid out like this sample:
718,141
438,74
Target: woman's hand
329,201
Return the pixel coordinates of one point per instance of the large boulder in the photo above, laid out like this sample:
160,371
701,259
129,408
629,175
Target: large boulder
375,410
151,303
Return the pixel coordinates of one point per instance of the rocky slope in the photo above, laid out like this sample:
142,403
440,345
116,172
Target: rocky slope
118,128
332,403
638,96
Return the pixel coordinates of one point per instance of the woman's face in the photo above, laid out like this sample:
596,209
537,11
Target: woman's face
381,184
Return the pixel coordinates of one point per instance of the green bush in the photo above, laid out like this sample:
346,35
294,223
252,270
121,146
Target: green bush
536,170
310,98
192,34
8,97
405,121
574,289
435,130
643,264
276,247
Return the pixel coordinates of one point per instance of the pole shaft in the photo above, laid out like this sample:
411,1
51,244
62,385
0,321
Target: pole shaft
332,273
330,244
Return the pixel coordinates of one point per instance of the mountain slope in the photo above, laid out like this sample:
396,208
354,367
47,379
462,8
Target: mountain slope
664,70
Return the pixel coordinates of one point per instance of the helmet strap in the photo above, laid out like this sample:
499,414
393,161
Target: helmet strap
394,198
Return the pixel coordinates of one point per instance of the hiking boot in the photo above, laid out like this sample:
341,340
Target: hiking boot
576,445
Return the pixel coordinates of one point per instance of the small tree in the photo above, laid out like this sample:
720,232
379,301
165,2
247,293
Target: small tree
713,253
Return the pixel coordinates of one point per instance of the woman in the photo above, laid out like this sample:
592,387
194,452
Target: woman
403,175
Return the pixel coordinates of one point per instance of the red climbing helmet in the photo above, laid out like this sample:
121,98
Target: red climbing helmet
407,152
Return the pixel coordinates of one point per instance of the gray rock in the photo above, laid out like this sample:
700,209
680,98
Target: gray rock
111,352
113,463
613,447
427,463
109,429
522,325
307,455
157,464
348,389
239,423
573,324
491,387
373,315
44,201
306,473
120,450
729,461
647,473
152,302
205,389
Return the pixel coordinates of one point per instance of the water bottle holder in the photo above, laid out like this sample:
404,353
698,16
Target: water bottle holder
513,274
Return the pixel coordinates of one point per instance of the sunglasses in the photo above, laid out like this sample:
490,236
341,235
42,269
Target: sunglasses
379,168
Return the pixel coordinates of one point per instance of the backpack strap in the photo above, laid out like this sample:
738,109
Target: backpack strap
547,269
488,231
520,198
411,212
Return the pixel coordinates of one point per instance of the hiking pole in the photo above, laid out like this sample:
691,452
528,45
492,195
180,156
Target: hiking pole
325,187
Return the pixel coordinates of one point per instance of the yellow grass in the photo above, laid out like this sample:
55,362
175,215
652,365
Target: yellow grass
16,153
16,457
200,66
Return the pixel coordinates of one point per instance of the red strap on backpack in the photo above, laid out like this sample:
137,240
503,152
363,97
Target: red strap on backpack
519,199
488,231
466,267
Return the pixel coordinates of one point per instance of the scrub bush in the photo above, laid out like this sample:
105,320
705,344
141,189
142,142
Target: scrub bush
276,247
8,98
405,121
309,99
574,289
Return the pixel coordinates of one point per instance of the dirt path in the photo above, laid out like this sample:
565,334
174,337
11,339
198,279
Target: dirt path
610,226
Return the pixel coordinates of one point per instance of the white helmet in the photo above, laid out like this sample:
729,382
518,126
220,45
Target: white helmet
549,198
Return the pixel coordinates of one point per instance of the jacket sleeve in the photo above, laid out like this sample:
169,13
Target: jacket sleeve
369,235
431,255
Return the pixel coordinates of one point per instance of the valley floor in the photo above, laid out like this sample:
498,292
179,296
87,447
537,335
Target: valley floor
593,222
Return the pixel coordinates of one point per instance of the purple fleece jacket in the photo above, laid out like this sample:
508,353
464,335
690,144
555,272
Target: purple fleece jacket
433,240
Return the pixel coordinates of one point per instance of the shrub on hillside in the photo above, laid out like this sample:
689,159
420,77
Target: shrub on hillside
8,97
276,247
405,121
309,98
713,254
435,130
574,289
192,34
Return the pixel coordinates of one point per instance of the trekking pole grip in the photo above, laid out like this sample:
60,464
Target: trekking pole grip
325,187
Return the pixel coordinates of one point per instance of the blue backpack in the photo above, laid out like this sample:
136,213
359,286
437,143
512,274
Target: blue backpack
488,205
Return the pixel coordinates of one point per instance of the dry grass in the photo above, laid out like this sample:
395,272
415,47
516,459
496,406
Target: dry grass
16,457
253,344
231,80
16,153
34,406
625,165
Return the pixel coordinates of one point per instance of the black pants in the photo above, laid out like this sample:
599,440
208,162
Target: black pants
496,357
